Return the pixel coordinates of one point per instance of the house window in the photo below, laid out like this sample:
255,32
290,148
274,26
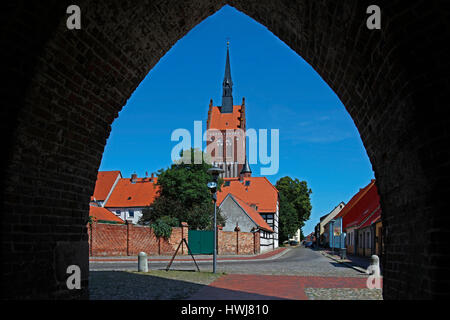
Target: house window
226,184
118,212
131,214
247,183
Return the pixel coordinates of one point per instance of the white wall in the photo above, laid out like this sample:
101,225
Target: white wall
125,213
266,244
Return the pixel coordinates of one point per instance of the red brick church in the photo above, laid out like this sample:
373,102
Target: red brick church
226,143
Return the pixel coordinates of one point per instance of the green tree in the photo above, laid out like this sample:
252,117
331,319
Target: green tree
184,195
295,206
163,226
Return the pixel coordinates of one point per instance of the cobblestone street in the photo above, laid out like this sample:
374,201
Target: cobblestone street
298,273
343,294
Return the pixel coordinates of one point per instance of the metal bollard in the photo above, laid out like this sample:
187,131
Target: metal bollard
343,253
142,262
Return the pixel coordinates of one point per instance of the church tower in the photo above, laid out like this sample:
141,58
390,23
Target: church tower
226,130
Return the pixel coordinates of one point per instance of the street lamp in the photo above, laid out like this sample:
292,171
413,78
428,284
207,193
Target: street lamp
212,186
332,234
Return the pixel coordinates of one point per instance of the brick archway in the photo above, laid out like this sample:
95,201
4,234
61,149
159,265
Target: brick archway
65,88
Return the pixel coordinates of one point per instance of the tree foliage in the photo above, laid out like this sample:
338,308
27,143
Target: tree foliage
162,227
295,206
184,195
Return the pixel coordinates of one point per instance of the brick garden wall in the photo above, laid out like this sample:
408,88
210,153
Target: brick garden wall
129,239
236,242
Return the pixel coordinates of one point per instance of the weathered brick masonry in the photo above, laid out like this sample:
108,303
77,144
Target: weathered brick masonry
236,242
129,239
65,88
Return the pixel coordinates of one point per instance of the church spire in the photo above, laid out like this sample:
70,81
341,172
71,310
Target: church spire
227,95
246,171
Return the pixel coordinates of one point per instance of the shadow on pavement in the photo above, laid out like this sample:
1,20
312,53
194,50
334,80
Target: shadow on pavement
121,285
339,265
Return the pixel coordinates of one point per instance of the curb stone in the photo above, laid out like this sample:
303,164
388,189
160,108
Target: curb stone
362,270
186,260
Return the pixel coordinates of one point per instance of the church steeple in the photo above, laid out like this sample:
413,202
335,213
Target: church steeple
227,85
246,171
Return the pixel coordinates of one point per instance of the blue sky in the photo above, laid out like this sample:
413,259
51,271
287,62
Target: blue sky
319,142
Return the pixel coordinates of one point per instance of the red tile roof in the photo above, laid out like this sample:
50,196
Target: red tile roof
102,214
255,216
104,183
260,192
365,204
372,219
224,121
128,194
348,208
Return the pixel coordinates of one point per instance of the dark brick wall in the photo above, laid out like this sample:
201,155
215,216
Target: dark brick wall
65,88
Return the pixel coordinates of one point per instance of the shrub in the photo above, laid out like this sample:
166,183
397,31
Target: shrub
162,227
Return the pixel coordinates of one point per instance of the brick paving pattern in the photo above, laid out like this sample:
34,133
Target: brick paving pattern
253,287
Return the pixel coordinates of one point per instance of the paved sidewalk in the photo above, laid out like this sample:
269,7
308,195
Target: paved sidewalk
264,256
275,287
356,262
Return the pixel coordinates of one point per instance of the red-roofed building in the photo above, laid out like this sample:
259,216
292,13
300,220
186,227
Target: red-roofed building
100,214
131,195
364,233
358,225
256,191
351,211
106,181
310,237
258,194
241,215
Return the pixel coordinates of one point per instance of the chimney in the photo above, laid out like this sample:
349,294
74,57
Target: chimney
133,178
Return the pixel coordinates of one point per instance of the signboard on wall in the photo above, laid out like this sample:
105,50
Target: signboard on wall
337,231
